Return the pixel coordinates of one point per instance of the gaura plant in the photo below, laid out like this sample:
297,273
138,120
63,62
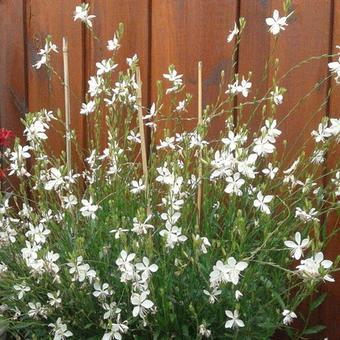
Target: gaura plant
111,249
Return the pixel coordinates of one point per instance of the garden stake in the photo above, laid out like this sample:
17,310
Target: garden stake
67,104
199,124
142,136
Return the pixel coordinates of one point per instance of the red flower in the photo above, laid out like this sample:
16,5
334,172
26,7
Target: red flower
5,136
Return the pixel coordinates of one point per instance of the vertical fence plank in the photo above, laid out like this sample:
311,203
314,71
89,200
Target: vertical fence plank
56,18
307,35
13,99
185,32
134,14
329,311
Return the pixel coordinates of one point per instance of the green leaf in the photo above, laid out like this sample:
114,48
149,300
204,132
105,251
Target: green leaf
314,330
316,303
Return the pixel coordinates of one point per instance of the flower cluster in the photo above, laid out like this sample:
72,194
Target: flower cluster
218,238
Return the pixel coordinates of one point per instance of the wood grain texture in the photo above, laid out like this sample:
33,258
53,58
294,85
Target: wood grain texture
134,14
309,23
13,87
185,32
329,314
55,17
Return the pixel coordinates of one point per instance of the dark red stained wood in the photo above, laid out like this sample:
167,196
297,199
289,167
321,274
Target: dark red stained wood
55,18
134,14
310,23
185,32
13,99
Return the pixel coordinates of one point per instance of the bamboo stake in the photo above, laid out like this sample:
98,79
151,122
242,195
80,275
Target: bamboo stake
199,123
67,104
142,137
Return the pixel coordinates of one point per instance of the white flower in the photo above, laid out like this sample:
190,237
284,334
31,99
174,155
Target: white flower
165,176
288,316
38,234
310,268
173,235
244,87
276,23
203,331
146,268
137,186
233,33
261,202
277,96
270,171
152,112
118,231
141,303
167,143
45,54
334,67
22,289
81,271
113,44
54,299
124,260
305,216
111,310
101,291
213,295
229,272
234,184
270,131
60,330
321,134
55,179
105,66
141,228
50,258
298,246
318,157
263,146
87,108
95,86
234,319
134,137
334,128
70,201
181,106
89,209
36,310
116,330
238,295
36,131
175,79
204,243
132,61
232,140
234,269
81,13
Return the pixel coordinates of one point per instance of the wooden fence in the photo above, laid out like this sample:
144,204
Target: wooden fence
179,32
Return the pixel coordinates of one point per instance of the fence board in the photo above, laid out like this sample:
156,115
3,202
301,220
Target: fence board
134,14
55,18
329,311
180,36
13,99
309,22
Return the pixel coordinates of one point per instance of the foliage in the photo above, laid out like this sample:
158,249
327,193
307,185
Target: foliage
99,252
